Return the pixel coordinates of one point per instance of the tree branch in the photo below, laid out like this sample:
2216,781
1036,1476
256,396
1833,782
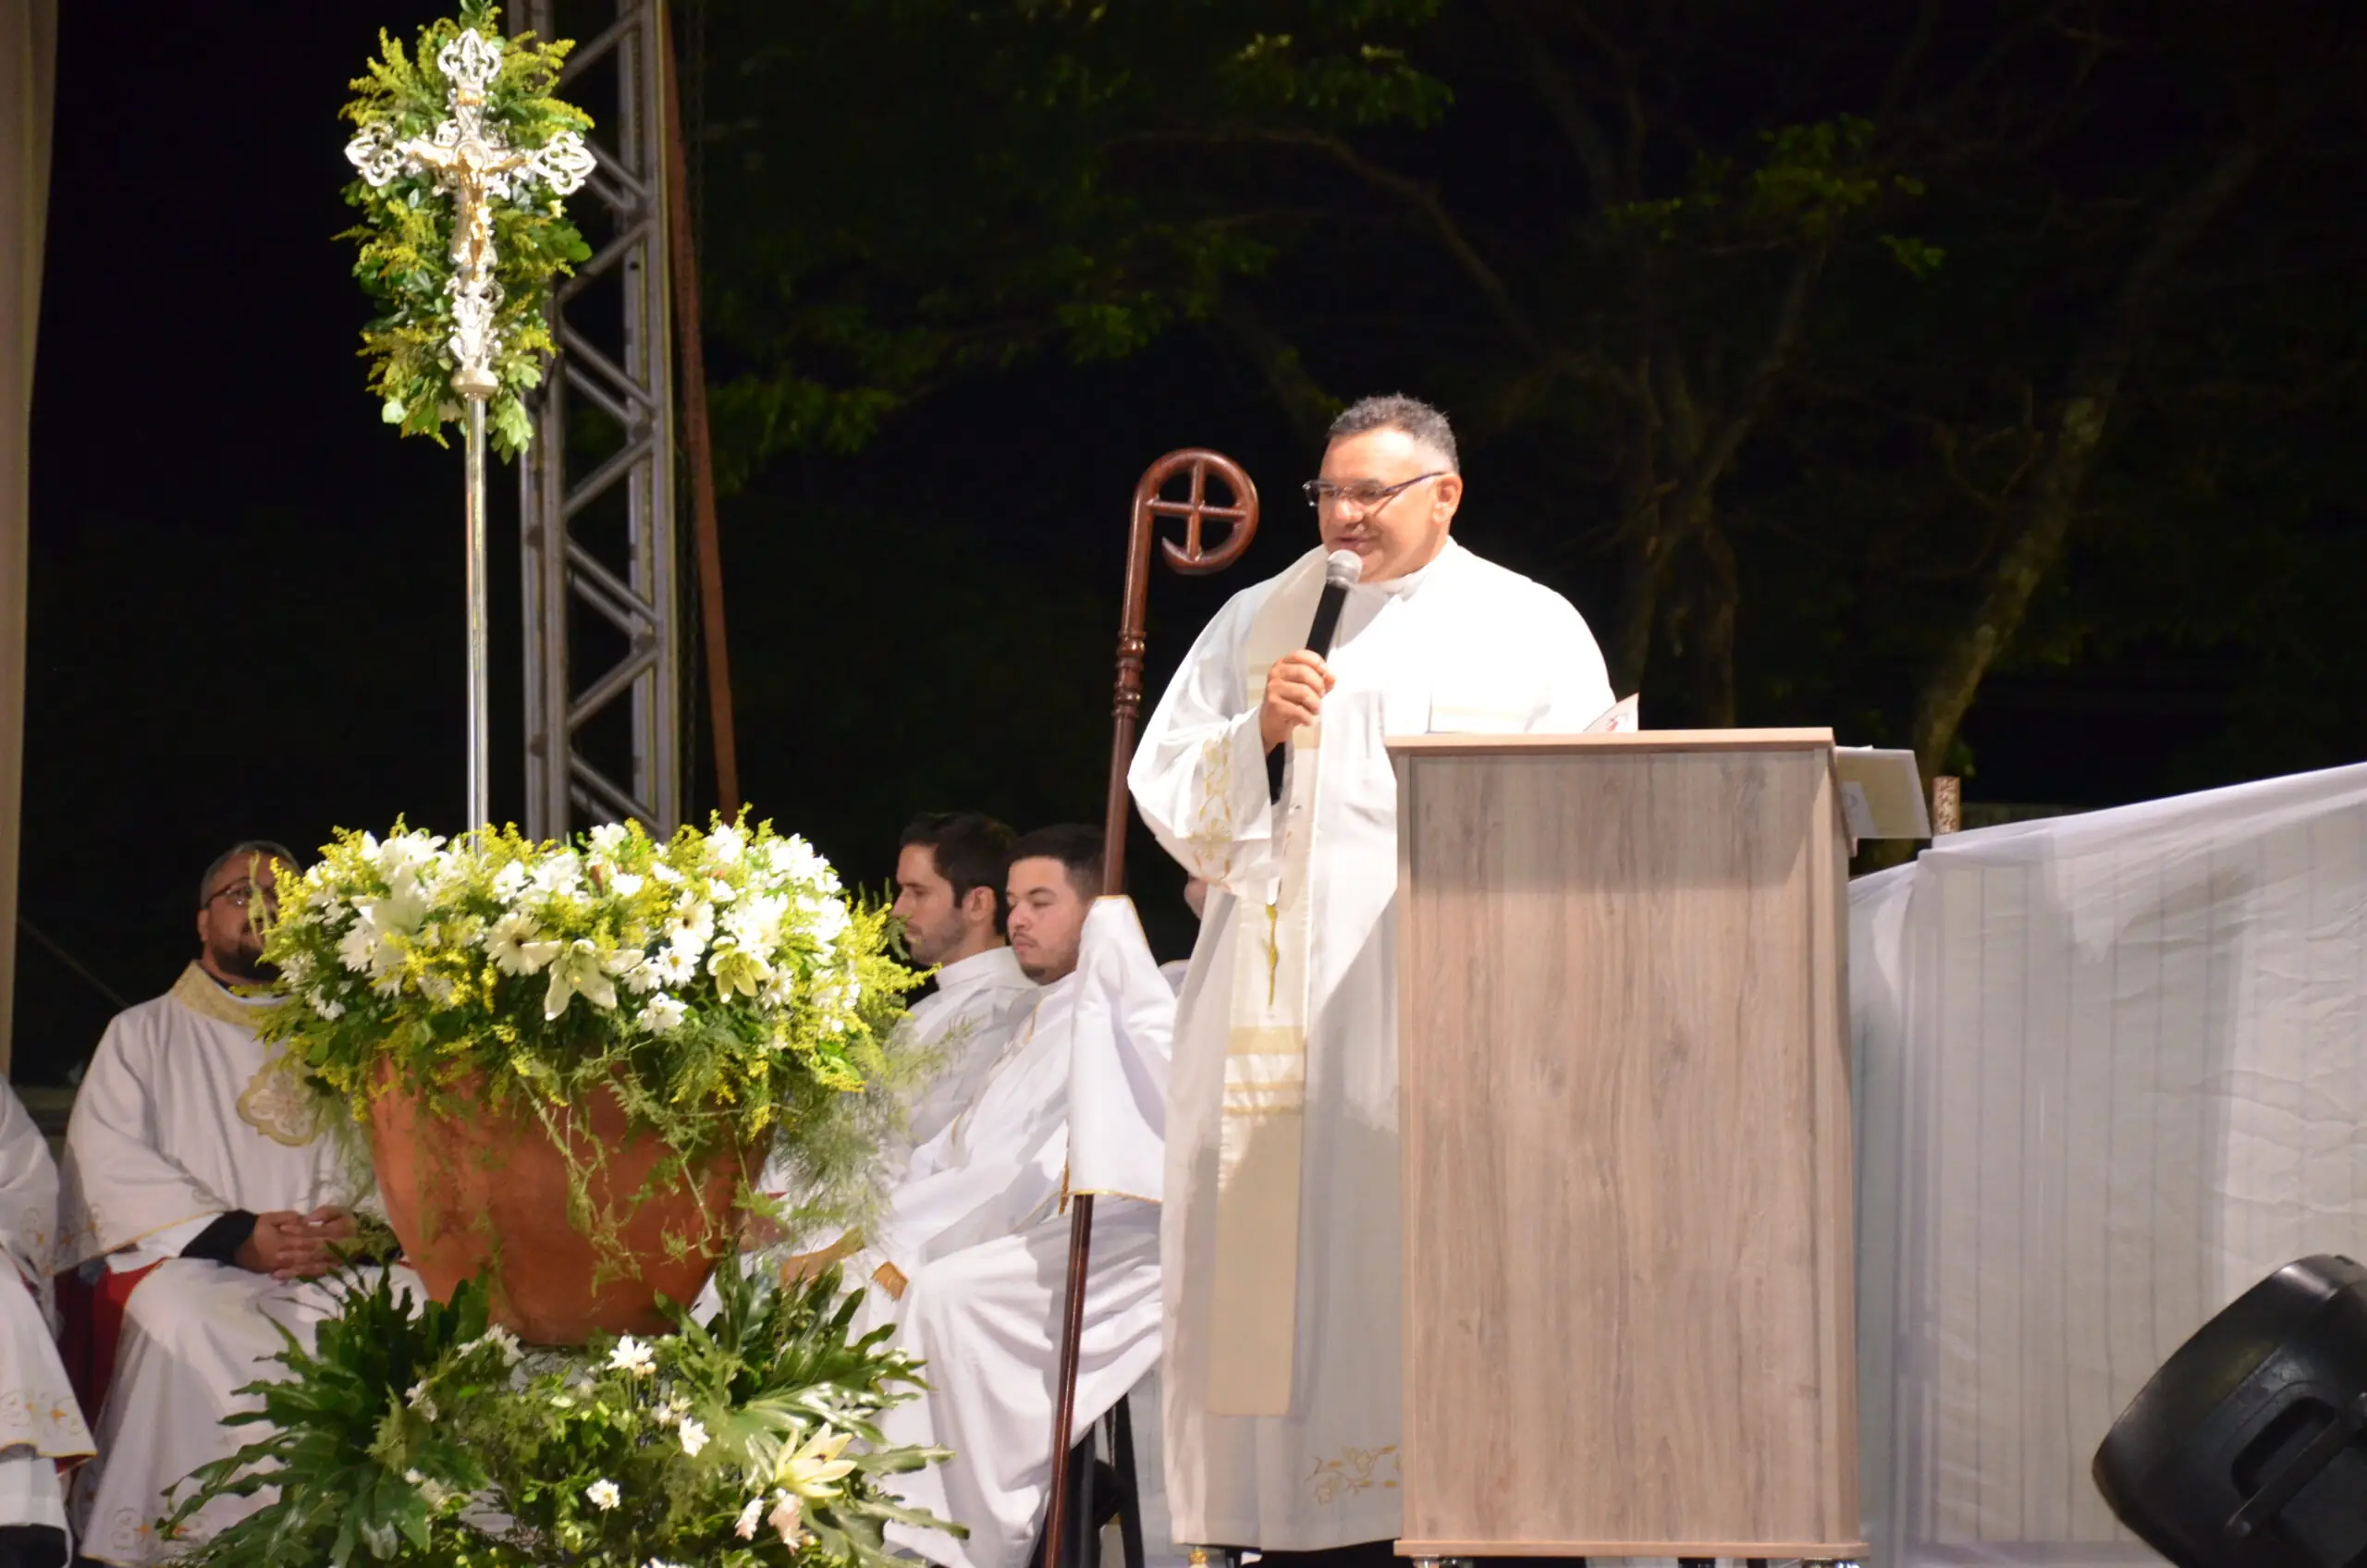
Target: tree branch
1304,401
1425,200
1559,94
2075,432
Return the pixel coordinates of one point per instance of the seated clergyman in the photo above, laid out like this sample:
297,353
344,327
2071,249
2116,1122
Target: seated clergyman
970,1260
201,1193
40,1422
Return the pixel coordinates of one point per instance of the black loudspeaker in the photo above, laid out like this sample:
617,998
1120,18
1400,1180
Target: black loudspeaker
2248,1448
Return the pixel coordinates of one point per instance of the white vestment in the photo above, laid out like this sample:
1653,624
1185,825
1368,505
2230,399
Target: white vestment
977,1235
957,1022
1461,645
40,1422
963,1022
185,1116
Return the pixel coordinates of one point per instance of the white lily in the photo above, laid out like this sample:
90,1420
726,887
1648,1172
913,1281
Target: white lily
815,1469
582,970
630,1355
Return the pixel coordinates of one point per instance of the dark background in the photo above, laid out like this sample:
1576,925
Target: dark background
246,595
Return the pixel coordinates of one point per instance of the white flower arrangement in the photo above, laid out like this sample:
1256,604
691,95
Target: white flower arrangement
723,984
628,927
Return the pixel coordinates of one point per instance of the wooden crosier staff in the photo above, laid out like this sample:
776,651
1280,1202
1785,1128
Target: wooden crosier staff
1194,558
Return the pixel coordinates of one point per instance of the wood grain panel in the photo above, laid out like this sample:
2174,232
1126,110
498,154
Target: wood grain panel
1626,1165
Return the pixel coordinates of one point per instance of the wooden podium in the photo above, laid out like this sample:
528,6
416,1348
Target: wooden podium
1625,1115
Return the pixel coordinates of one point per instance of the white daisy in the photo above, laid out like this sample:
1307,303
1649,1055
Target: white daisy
512,944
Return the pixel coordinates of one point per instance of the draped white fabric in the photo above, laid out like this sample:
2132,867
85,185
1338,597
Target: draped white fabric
27,62
2111,1071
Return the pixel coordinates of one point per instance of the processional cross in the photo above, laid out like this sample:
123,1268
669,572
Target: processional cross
474,167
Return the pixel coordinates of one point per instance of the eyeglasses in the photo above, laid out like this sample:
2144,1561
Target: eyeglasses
1361,494
242,894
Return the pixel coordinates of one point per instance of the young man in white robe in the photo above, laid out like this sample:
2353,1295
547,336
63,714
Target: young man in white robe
970,1260
201,1193
1282,1230
949,870
40,1422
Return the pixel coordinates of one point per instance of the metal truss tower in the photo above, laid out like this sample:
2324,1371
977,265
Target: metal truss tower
604,686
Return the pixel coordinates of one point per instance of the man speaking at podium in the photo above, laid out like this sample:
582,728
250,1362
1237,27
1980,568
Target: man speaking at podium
1279,1237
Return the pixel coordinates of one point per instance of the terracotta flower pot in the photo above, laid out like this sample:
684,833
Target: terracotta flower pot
490,1193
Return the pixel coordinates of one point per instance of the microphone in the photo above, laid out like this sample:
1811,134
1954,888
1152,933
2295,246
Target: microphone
1342,569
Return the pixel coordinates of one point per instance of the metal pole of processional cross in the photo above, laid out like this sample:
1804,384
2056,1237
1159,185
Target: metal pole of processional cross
480,670
1193,557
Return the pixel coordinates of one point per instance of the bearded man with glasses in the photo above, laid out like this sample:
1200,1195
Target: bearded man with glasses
1280,1234
201,1193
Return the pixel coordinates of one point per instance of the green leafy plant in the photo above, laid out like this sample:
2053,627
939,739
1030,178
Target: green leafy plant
720,985
405,234
421,1435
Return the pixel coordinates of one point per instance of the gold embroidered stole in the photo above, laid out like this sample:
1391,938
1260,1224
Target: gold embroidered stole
274,1102
1255,1277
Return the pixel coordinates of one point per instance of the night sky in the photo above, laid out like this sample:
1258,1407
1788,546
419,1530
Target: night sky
247,600
246,595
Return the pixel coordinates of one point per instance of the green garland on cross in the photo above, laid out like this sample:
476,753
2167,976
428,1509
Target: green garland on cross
406,233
